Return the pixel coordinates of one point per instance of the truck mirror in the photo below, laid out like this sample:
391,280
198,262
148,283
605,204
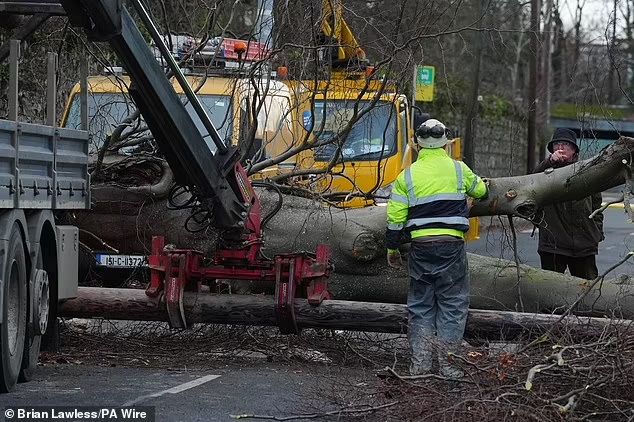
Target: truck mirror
420,118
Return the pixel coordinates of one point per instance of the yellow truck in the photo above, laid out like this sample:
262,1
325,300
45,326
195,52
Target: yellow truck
224,99
378,146
375,149
218,74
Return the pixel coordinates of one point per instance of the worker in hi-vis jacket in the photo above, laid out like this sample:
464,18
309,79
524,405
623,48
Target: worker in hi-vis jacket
429,201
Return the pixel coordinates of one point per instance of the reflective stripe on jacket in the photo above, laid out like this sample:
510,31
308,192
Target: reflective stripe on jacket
429,198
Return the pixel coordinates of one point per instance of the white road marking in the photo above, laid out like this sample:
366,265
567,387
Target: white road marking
174,390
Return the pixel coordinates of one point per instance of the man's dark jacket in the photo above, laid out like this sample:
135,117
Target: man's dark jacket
568,229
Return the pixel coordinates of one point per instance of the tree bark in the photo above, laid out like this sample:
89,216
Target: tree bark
131,304
524,195
357,240
137,214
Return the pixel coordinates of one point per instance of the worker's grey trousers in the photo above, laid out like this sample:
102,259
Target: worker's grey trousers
438,302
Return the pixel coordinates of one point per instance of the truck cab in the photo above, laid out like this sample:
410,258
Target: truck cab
377,147
219,77
224,99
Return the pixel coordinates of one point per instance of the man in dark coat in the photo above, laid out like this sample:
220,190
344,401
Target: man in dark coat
567,237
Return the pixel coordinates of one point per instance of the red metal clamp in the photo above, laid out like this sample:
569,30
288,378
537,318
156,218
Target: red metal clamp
168,275
285,295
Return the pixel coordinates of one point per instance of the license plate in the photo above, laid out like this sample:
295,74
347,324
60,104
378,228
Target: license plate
121,261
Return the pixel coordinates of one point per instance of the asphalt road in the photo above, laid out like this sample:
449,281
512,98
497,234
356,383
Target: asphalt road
263,388
619,240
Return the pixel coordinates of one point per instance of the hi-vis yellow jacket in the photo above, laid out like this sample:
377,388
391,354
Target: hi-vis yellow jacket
429,198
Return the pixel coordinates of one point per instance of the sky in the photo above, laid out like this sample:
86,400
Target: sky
596,15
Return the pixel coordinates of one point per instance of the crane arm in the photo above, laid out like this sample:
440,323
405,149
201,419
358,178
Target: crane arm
216,180
335,28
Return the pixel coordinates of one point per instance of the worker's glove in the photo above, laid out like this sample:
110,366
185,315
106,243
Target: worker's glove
394,259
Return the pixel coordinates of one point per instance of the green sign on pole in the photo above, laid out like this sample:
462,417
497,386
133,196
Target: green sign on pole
424,83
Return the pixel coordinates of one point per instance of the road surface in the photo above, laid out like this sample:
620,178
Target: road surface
262,388
619,240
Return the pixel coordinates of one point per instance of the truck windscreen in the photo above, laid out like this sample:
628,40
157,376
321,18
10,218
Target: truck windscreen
107,110
371,138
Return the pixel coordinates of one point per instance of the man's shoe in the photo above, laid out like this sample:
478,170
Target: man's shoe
451,372
418,370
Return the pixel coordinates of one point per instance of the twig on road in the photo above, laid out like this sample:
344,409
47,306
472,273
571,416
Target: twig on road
318,415
605,206
424,376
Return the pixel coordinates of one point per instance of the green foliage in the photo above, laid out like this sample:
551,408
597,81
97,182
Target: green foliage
4,71
494,108
200,19
143,30
574,111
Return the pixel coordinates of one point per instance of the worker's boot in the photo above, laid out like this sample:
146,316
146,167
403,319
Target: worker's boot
446,361
419,367
421,349
449,371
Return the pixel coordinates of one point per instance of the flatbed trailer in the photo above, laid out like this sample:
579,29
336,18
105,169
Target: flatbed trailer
43,169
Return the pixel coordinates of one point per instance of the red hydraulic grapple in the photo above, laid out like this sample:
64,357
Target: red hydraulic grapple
173,271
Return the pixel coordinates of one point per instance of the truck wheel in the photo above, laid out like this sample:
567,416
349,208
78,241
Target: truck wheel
13,327
41,303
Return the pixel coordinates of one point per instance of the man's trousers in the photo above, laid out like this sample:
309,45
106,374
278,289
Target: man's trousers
438,301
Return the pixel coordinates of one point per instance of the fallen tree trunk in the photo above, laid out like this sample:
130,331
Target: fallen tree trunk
356,239
127,216
131,304
494,285
523,195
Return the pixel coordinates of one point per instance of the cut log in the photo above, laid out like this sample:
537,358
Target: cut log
132,304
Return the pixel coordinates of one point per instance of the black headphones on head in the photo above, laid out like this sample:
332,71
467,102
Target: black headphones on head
436,131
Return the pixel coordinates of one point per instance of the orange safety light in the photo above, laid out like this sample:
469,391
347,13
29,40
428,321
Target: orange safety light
368,71
240,47
282,72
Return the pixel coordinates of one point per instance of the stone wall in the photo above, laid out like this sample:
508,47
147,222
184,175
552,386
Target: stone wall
500,146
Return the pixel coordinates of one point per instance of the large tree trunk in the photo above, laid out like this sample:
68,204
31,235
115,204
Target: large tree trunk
127,219
127,216
523,195
130,205
130,304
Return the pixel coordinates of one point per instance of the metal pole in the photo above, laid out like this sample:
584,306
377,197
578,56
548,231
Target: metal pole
468,141
189,92
611,81
414,99
14,56
83,92
532,86
51,94
548,74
